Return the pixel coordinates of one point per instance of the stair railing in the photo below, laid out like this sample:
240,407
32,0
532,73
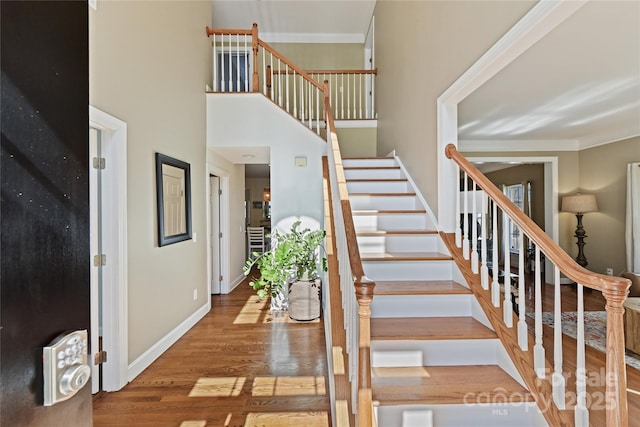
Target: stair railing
471,207
243,63
351,92
357,305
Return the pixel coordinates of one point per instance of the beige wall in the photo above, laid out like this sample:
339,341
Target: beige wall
422,47
323,56
533,173
603,172
149,63
357,142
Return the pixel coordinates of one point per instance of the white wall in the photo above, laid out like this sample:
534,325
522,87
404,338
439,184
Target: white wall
251,120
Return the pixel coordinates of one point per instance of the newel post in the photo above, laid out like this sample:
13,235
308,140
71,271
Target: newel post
254,47
616,380
364,295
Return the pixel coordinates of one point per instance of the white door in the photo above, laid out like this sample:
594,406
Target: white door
214,198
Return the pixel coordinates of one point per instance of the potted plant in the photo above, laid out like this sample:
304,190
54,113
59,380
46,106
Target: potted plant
289,271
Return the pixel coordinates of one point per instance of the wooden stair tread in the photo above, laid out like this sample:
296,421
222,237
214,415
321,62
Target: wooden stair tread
377,180
404,256
382,194
387,211
428,328
370,167
387,232
420,287
445,385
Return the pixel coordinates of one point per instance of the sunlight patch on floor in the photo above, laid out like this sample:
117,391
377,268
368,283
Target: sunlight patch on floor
218,387
251,312
287,419
338,360
193,423
288,386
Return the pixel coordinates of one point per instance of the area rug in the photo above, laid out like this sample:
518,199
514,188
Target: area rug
595,330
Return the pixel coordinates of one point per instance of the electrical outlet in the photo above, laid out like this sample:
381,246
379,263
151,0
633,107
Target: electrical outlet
609,271
195,294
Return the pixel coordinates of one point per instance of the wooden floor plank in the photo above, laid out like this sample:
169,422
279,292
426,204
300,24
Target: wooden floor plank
420,287
428,328
230,370
445,385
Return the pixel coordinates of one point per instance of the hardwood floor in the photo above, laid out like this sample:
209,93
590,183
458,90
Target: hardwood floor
238,367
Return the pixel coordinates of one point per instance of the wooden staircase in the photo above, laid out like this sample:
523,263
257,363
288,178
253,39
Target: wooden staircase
436,361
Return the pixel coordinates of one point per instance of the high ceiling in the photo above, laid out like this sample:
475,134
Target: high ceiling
577,87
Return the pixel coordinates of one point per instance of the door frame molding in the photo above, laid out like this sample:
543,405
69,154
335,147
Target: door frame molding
114,244
225,244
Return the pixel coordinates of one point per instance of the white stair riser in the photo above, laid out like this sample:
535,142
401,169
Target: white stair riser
421,305
373,173
368,202
408,270
378,187
434,353
398,243
417,221
518,414
387,161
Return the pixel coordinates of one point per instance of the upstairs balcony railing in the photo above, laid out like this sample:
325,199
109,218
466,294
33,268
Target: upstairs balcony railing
243,63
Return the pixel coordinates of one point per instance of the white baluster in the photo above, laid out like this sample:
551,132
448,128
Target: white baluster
484,270
458,213
302,99
279,83
342,95
558,380
361,94
373,94
317,110
295,98
245,59
264,72
310,101
495,285
215,64
474,232
581,411
538,350
508,303
287,83
273,92
523,336
237,62
465,219
348,96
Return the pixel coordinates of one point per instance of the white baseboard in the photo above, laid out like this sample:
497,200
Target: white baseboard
155,351
236,282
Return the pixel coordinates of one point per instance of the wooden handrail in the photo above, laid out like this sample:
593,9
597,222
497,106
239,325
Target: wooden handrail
364,288
374,71
290,64
614,289
227,32
571,269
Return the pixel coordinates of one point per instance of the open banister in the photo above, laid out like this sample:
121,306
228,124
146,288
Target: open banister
614,290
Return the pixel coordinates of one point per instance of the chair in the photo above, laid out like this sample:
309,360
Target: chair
255,240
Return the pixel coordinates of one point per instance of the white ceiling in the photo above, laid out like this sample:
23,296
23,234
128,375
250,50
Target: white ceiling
302,21
577,87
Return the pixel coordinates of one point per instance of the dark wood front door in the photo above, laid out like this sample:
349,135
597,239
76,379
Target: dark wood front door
44,210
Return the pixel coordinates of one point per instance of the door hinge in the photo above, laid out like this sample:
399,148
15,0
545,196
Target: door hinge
99,163
219,192
220,235
100,357
220,279
99,260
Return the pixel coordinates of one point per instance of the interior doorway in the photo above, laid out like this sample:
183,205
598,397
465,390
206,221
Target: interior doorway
216,233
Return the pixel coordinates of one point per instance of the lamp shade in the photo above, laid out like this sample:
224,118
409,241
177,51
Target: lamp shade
579,203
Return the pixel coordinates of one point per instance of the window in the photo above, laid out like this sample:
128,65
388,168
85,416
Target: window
515,193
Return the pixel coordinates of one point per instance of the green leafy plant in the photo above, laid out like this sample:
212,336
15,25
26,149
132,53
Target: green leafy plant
294,255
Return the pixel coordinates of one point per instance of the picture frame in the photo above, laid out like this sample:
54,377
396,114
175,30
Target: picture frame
173,197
